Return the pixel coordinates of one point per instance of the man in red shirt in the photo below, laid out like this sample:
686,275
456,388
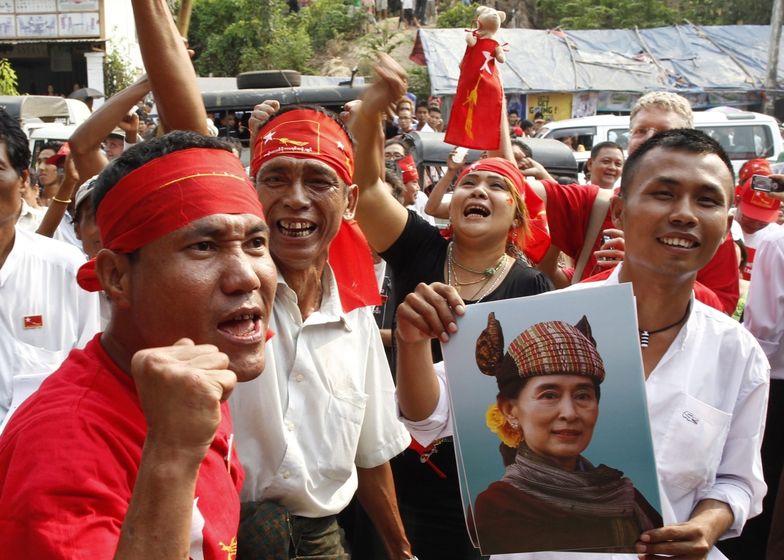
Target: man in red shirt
126,450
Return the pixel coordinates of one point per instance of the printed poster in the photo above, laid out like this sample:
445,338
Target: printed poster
564,459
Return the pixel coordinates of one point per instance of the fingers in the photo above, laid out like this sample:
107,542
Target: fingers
431,310
681,540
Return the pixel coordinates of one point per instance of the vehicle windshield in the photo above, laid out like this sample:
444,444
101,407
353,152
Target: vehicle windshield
742,141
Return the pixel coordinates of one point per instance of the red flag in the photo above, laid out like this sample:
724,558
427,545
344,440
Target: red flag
33,321
475,120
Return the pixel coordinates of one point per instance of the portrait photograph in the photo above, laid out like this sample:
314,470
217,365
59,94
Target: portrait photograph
551,423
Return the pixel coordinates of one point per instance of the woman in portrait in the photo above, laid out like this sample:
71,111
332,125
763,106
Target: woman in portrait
551,497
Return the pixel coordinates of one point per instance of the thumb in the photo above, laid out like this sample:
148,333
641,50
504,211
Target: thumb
185,342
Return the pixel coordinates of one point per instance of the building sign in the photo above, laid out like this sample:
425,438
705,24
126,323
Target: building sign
49,19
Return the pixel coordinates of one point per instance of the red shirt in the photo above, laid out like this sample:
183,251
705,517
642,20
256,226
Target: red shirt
68,464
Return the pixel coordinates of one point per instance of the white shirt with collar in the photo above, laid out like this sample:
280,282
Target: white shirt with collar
44,314
323,405
706,402
30,218
764,313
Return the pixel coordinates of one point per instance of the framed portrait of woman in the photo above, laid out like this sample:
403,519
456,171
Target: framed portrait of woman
551,423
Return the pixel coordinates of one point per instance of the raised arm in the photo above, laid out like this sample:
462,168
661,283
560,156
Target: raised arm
86,141
169,68
180,389
56,211
380,216
436,206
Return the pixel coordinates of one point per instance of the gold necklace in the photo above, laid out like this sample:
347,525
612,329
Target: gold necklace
497,275
489,271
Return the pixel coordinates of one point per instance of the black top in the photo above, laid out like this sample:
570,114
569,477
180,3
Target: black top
419,255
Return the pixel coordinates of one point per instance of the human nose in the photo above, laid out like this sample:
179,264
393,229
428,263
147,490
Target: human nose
683,212
240,275
296,196
567,409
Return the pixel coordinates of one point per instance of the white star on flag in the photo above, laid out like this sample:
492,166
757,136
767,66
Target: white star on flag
341,146
269,136
486,66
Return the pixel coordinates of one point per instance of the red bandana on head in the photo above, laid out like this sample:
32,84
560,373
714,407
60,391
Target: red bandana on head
408,168
166,194
539,238
305,134
309,134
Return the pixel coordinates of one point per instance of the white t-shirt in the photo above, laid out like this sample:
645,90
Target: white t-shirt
324,403
44,314
764,313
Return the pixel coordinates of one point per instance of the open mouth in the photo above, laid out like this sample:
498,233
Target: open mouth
242,327
476,210
296,228
678,242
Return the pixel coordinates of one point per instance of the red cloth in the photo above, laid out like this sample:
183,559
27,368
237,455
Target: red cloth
352,263
305,134
69,459
166,194
701,292
721,275
408,168
475,119
568,213
537,242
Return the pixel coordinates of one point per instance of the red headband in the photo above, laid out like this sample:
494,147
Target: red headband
166,194
408,168
538,241
305,134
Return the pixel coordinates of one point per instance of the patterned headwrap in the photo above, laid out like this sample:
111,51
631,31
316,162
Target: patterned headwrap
408,168
166,194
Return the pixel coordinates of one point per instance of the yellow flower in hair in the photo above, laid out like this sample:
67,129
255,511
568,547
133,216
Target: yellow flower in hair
499,425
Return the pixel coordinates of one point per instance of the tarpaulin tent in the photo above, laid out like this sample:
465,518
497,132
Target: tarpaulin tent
684,58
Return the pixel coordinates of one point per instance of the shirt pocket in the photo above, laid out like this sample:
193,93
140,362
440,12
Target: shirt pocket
692,445
345,414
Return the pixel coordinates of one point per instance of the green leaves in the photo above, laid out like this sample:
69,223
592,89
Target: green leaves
8,80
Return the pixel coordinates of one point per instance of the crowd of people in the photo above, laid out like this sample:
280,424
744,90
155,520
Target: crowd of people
204,360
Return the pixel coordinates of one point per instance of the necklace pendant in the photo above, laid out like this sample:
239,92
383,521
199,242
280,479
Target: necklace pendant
489,272
644,338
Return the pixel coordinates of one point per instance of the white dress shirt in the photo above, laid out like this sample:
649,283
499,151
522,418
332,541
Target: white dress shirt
764,313
30,218
324,403
44,314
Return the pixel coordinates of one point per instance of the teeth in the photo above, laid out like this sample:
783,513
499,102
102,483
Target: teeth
479,209
296,229
296,225
677,242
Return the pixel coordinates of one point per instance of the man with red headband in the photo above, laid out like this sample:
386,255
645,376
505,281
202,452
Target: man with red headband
320,424
127,450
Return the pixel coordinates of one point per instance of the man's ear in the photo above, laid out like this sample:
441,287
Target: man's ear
617,211
24,179
352,194
114,273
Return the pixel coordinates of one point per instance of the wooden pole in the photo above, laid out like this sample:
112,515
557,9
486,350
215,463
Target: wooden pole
771,83
184,17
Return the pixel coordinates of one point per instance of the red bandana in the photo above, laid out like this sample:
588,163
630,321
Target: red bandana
539,238
309,134
305,134
166,194
408,167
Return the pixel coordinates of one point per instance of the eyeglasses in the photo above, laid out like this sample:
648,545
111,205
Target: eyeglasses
393,156
643,131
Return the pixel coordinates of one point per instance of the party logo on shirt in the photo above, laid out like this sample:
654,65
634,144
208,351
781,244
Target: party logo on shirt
33,321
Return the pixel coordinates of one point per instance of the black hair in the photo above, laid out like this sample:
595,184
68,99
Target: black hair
16,143
397,140
53,145
394,179
605,145
434,108
144,152
525,124
523,146
515,111
424,104
680,139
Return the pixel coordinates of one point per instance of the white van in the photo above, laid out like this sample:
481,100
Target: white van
743,135
50,132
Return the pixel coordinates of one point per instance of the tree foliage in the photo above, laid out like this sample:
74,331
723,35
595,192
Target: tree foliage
8,79
118,72
459,15
232,36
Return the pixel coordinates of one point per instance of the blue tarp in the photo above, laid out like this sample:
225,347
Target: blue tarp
683,58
